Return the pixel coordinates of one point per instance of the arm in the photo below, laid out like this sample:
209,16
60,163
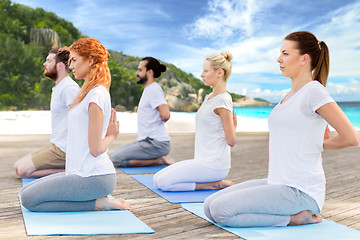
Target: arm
164,112
229,123
347,135
98,145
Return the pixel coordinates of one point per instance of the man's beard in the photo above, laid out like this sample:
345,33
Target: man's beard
142,80
51,73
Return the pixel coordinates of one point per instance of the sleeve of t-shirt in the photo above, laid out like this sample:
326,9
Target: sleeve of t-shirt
224,102
157,97
69,94
319,96
98,96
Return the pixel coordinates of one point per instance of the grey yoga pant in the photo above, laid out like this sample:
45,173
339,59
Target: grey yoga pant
145,149
255,203
66,193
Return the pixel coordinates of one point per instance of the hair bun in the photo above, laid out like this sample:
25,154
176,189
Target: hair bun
227,55
162,67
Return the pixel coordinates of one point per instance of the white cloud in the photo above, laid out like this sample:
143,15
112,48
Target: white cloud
345,91
226,17
342,36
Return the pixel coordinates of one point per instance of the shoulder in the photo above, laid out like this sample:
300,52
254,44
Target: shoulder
225,97
154,90
316,87
100,91
154,86
68,82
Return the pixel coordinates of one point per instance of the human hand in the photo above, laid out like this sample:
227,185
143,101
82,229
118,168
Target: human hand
113,128
327,133
234,119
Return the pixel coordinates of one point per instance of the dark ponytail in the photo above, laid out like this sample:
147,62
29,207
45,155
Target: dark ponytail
318,52
321,71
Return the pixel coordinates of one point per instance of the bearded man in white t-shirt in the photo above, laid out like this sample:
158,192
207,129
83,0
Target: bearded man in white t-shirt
153,142
51,159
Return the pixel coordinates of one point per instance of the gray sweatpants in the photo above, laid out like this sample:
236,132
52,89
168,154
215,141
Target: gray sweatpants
66,193
145,149
255,203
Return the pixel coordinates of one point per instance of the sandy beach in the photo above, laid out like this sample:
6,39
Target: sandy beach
39,122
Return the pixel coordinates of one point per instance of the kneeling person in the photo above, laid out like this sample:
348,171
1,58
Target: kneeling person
153,141
51,159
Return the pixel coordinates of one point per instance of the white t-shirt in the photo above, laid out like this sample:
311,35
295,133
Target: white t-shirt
149,120
211,148
296,141
62,96
79,161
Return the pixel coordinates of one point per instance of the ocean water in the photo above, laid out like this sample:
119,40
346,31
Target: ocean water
351,109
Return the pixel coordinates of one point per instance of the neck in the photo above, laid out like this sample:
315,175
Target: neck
299,81
149,81
61,76
219,88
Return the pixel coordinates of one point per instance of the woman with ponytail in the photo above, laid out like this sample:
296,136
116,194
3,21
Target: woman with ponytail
89,173
294,191
214,135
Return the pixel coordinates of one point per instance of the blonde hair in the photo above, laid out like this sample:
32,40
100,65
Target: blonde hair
91,48
221,60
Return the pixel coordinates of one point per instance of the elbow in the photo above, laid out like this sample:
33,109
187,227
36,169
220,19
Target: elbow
231,142
95,152
165,118
355,142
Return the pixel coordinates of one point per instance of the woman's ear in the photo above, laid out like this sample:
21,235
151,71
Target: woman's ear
220,73
91,62
305,59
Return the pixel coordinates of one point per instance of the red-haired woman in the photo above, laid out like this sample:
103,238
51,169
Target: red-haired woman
89,174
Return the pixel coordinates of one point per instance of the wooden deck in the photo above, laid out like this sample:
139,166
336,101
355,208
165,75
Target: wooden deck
168,220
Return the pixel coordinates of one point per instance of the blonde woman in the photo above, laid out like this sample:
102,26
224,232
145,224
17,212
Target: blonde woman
294,191
214,135
92,125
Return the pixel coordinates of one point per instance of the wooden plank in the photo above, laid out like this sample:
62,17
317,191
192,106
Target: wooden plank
170,221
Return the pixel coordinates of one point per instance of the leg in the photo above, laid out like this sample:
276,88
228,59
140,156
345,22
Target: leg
236,187
47,161
186,176
258,205
147,152
60,192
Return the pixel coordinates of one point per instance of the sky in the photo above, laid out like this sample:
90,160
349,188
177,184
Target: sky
184,32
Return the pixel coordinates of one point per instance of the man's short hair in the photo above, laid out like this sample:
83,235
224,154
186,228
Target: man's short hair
62,55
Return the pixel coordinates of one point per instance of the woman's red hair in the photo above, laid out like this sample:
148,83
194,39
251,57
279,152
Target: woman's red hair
91,48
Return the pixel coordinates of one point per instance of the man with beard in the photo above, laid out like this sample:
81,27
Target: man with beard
51,159
153,141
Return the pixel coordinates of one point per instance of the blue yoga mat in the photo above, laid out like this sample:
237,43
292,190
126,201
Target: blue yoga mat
82,223
328,230
142,170
174,197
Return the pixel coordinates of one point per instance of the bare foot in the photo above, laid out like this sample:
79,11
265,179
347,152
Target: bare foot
304,217
225,184
167,160
213,185
106,203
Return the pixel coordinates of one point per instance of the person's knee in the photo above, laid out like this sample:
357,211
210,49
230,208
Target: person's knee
26,201
23,171
215,210
162,183
207,208
118,161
